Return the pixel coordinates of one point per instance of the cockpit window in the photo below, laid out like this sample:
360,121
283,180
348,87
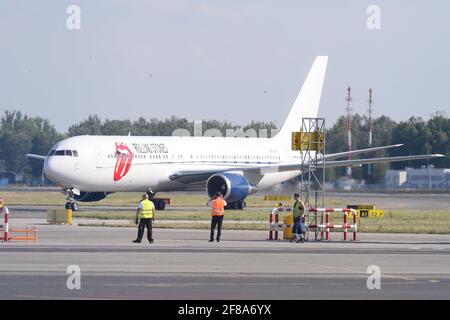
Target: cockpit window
69,153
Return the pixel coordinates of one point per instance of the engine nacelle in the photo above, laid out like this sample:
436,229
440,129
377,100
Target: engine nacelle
90,196
233,187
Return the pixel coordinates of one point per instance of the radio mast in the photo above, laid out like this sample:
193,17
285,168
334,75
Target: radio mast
348,99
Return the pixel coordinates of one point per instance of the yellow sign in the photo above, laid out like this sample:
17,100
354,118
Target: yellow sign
295,141
308,141
376,213
368,213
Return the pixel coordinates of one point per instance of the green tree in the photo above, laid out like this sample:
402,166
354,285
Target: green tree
91,126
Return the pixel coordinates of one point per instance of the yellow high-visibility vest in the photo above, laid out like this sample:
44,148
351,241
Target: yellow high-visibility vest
298,210
147,209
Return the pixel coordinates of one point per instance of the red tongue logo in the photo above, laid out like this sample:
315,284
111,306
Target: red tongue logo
124,156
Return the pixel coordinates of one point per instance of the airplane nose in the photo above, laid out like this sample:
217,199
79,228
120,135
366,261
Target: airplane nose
50,169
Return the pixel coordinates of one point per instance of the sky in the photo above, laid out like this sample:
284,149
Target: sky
225,60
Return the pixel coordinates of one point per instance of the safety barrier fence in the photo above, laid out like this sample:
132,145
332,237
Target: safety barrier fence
5,227
27,234
319,223
325,227
274,225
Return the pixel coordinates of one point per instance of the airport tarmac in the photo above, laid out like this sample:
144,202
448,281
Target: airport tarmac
181,264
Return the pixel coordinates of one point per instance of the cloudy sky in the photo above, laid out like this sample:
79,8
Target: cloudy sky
225,60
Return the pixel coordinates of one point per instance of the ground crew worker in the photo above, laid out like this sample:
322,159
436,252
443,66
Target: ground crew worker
145,214
217,210
298,211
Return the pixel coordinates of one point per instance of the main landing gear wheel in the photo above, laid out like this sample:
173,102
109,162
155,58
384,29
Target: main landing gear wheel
237,205
160,204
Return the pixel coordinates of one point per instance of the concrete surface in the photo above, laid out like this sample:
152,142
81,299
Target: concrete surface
181,264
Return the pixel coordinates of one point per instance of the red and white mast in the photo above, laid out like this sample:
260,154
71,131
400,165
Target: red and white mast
349,127
369,168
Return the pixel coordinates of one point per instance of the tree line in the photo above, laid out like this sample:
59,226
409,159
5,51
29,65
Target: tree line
21,134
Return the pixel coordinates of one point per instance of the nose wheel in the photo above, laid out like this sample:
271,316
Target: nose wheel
70,203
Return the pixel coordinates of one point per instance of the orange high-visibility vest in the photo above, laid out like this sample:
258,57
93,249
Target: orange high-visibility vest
217,207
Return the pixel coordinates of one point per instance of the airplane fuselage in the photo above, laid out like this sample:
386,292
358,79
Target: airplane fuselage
138,163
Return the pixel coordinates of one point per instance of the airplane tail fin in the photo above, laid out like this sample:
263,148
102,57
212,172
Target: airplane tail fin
307,103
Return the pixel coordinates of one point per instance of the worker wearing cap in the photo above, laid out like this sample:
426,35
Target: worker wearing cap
298,211
217,210
145,214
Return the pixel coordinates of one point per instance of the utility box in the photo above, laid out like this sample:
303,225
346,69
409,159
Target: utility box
59,216
288,222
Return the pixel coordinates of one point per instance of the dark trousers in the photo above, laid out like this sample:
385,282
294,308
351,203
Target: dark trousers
297,227
216,220
145,222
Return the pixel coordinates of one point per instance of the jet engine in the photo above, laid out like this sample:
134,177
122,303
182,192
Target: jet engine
234,187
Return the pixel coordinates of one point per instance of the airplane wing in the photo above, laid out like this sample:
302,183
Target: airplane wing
359,162
198,175
355,152
35,156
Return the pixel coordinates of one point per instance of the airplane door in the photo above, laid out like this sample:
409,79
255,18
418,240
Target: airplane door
99,158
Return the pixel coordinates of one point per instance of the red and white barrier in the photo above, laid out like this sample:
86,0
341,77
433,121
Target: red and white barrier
324,226
345,226
274,225
30,233
5,226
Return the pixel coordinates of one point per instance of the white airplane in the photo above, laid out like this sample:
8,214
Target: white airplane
88,168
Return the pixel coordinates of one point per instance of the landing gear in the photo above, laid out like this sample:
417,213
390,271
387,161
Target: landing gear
70,201
237,205
159,203
71,205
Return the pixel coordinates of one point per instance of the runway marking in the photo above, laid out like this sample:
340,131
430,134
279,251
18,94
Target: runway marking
358,271
218,250
409,282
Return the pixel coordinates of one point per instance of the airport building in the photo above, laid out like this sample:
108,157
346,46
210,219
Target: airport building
423,178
